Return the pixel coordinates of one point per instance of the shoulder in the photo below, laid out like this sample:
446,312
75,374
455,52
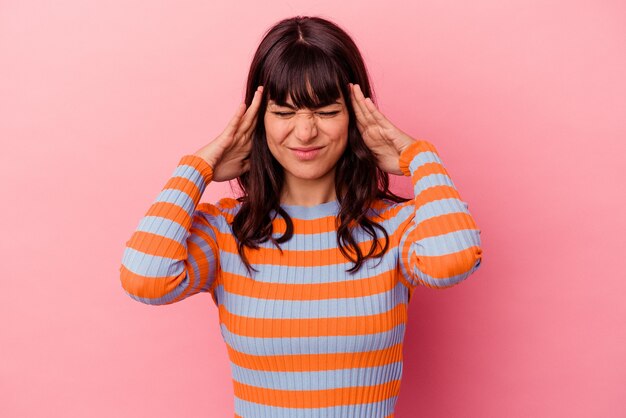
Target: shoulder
225,208
393,213
387,207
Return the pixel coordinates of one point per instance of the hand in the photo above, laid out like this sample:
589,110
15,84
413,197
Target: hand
382,137
228,153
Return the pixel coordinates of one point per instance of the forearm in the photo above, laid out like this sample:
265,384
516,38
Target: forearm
440,245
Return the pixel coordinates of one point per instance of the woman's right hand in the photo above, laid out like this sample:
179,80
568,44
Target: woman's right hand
228,153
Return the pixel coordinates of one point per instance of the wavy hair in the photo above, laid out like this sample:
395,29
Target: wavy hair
296,57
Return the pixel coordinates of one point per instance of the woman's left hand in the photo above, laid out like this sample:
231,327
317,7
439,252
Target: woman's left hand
381,136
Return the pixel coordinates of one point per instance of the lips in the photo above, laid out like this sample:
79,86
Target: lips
306,149
305,154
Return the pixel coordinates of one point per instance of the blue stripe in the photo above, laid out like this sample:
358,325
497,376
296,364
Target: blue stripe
432,180
441,283
151,265
444,244
417,275
332,273
211,260
154,266
178,198
190,173
278,346
174,293
311,212
318,380
422,158
164,227
438,208
380,409
165,298
310,241
318,308
173,230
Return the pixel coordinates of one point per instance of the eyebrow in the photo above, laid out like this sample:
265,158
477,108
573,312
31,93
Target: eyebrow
294,108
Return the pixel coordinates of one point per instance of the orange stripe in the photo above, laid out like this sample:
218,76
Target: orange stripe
200,257
184,185
442,224
203,271
245,286
403,279
211,209
447,265
170,211
313,327
316,362
407,156
297,258
319,225
427,169
303,226
444,266
156,245
333,255
309,258
353,395
156,287
148,287
435,193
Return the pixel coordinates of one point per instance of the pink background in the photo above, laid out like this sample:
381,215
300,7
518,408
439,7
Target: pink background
525,101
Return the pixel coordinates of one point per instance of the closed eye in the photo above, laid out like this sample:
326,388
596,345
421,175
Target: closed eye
325,114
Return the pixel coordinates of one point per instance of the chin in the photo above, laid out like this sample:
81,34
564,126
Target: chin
306,176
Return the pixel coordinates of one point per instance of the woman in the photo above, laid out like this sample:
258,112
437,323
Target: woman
312,314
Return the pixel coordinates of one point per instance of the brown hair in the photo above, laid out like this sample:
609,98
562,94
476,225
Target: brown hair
297,55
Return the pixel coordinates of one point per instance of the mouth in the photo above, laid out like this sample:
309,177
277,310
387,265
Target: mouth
306,149
306,153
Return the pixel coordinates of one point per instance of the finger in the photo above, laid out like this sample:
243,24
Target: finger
371,112
360,99
252,111
231,127
359,109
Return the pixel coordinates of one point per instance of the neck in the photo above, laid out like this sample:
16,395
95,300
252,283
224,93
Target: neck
306,192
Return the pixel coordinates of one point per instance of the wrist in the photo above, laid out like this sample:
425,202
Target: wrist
408,154
199,163
207,157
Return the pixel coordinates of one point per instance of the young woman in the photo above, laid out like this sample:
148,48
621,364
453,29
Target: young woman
313,267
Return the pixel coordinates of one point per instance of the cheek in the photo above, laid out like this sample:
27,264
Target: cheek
338,131
275,132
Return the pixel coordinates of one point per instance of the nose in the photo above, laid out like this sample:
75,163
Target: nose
305,126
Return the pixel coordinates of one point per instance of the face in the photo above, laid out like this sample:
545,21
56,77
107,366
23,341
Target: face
288,129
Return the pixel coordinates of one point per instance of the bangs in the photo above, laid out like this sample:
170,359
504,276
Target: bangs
306,75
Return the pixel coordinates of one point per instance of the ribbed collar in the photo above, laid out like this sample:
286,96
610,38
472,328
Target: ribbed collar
312,212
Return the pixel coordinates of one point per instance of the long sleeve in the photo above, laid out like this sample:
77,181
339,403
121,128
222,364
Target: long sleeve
173,253
439,242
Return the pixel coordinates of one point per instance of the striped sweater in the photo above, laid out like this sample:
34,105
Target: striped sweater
306,338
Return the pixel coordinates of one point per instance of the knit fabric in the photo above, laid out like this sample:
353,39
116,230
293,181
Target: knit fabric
305,337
